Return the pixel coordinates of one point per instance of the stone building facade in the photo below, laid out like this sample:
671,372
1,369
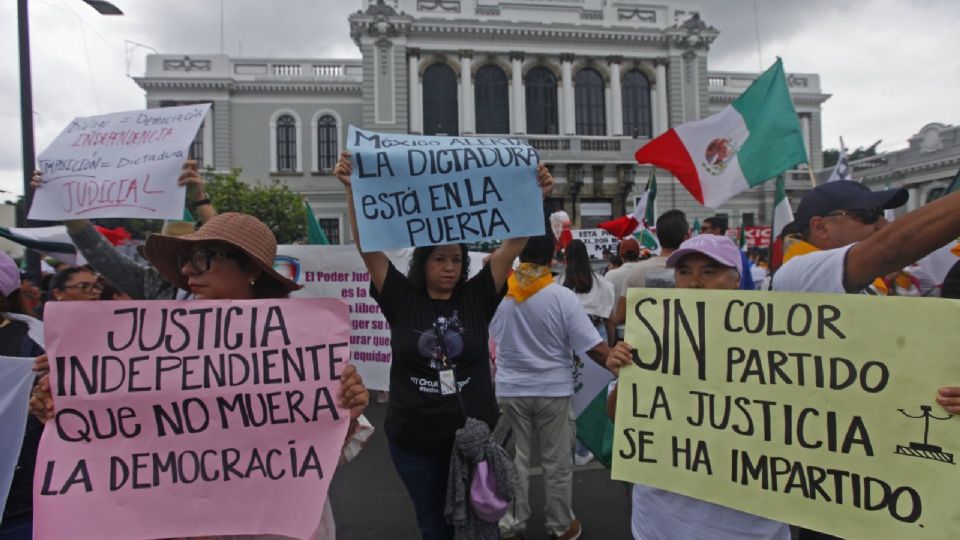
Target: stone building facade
586,82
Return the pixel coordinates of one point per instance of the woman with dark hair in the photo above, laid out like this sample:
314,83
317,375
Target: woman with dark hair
439,332
75,283
595,292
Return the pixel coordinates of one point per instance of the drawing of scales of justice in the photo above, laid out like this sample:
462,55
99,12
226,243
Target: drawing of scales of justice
925,450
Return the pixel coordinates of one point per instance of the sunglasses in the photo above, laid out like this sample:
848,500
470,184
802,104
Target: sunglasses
868,216
201,259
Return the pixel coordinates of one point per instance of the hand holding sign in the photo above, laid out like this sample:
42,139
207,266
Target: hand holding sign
420,191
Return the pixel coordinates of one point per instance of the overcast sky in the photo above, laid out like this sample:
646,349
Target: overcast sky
891,65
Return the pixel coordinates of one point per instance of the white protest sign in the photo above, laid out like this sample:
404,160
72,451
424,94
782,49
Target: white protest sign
596,240
339,272
122,164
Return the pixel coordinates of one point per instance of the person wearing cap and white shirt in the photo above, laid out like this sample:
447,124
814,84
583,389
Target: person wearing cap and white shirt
672,229
703,262
843,243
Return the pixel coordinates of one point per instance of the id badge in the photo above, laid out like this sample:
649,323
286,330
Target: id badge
448,384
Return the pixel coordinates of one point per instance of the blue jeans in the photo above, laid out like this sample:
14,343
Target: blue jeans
425,477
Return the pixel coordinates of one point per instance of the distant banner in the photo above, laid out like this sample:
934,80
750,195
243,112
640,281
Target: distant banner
191,419
339,272
597,241
118,165
811,409
419,191
754,236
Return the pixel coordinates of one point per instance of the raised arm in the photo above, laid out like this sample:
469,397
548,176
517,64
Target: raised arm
376,262
197,198
903,242
501,261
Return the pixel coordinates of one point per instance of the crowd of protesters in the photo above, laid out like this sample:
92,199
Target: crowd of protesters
443,321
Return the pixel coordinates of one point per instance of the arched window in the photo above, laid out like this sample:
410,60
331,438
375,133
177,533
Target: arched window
286,144
541,85
326,143
491,102
591,109
440,111
636,104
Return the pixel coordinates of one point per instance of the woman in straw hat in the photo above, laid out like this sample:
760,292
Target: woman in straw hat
439,322
229,258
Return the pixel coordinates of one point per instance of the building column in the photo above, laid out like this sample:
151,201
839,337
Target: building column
616,97
519,117
568,111
663,115
913,201
466,93
413,75
805,129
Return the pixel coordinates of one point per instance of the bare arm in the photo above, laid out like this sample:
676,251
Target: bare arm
501,261
612,358
191,178
903,242
376,262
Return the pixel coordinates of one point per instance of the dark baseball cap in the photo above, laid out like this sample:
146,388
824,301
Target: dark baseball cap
842,195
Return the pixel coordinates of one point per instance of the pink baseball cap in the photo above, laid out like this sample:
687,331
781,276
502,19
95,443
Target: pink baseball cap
9,275
718,248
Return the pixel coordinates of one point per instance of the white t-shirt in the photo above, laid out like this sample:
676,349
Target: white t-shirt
654,268
536,340
663,515
819,271
618,276
599,301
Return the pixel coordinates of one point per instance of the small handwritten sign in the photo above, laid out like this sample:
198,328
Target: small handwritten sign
422,191
118,165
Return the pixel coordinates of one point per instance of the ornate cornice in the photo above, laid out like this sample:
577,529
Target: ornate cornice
895,172
806,99
453,29
297,87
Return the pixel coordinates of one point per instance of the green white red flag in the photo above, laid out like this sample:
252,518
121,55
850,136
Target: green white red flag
752,140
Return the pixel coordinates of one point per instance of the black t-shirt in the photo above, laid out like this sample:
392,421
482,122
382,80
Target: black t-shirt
419,417
14,342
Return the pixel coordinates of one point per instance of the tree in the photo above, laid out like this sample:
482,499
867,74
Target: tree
274,204
831,155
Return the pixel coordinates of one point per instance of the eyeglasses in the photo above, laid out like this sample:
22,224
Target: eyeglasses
201,259
868,216
85,286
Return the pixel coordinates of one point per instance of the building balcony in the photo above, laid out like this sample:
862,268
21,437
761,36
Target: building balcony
583,149
161,66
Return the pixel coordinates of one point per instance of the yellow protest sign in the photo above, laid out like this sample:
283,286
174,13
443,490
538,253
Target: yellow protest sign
811,409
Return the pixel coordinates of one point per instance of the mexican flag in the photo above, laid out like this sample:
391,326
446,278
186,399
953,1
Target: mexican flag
782,213
315,235
643,214
749,142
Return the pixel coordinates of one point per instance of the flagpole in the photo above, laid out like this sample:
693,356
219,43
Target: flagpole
813,179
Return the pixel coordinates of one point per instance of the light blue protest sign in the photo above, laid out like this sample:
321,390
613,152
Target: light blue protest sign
411,190
16,380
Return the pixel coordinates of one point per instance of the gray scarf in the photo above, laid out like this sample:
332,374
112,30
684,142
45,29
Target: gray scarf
473,444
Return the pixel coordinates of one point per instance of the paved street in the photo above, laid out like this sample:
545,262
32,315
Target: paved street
370,502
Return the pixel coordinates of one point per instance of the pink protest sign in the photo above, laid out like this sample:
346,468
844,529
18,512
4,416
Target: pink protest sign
185,419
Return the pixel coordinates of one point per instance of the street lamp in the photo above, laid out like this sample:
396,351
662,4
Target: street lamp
26,114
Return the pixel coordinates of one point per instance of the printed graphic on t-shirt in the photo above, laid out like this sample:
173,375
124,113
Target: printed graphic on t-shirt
451,328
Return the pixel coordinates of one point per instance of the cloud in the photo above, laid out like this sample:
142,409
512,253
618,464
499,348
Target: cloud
890,65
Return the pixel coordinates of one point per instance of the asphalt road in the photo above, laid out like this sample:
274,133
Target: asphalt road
370,502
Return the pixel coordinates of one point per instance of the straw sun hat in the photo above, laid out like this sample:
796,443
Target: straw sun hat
241,231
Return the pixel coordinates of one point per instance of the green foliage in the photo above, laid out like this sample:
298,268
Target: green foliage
831,155
274,204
